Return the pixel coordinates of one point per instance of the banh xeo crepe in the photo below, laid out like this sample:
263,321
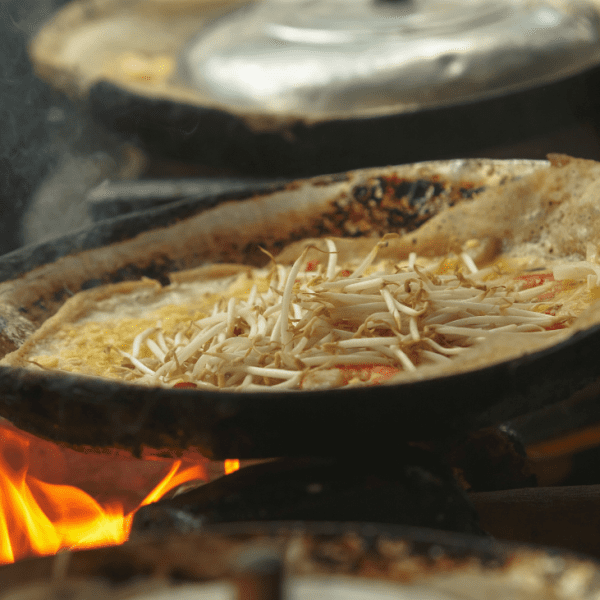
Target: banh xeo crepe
510,271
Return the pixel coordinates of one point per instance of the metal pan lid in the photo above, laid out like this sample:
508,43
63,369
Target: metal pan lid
350,57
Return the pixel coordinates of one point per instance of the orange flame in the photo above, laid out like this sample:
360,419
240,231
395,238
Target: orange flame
38,517
231,465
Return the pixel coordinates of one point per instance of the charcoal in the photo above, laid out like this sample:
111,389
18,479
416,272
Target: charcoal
408,487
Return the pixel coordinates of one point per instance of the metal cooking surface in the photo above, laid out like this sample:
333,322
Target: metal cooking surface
130,76
347,58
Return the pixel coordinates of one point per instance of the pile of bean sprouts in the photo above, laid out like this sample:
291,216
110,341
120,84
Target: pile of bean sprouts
312,323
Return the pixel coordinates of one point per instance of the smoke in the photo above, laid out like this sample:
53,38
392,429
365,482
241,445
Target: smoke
50,154
25,149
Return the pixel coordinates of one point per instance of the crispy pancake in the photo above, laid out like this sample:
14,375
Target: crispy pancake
496,277
357,323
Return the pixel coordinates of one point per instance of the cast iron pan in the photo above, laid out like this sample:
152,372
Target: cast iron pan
84,411
298,146
80,51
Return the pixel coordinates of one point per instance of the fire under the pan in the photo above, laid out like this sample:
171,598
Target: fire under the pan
55,498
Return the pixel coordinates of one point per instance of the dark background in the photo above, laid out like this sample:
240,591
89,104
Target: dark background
35,123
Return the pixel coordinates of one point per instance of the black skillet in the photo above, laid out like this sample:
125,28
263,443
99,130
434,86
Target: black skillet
84,411
561,115
171,119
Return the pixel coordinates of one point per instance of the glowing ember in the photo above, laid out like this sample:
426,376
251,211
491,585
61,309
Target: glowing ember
41,517
231,465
